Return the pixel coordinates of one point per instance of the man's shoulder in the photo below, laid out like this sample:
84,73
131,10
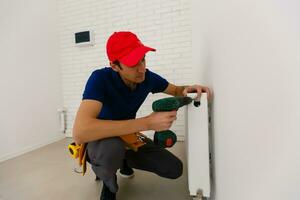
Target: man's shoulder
149,73
103,73
104,70
152,75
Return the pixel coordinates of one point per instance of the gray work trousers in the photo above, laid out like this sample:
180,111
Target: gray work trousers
106,157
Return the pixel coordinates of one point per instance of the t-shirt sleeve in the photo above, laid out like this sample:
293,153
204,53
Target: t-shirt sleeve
158,83
95,87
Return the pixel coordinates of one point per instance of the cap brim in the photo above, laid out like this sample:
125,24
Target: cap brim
135,56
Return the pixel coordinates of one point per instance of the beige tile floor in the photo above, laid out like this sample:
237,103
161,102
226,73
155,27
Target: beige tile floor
47,174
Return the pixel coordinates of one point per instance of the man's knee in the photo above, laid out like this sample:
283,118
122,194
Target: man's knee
176,170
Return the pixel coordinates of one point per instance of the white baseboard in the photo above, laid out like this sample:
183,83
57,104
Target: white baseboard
30,148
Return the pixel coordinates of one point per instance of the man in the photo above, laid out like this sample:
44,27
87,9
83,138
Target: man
111,99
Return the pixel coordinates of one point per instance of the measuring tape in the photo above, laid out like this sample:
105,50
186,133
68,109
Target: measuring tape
74,150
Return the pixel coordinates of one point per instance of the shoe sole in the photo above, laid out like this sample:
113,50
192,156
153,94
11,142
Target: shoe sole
125,176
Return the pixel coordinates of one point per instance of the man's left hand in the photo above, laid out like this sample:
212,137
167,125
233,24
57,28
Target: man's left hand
199,89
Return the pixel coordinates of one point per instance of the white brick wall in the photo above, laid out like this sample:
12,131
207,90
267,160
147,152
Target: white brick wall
164,25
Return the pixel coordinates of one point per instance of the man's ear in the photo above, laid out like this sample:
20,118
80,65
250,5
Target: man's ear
114,67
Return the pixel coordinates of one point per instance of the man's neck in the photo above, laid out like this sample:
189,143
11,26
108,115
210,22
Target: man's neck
129,84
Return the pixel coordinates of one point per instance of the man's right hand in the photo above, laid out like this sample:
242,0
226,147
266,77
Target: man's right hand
160,121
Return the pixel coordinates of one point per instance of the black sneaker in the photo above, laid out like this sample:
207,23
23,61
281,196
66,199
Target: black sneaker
106,194
126,171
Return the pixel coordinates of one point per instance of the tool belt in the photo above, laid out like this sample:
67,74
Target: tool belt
78,151
134,140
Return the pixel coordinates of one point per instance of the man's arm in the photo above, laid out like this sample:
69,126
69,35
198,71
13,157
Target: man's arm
183,90
174,90
88,128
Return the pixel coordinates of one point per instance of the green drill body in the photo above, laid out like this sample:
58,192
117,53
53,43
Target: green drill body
168,138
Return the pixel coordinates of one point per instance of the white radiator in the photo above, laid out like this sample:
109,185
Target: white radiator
197,148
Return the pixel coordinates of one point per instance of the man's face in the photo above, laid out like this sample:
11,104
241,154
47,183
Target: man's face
135,74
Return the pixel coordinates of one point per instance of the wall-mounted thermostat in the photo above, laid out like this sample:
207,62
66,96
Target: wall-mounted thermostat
84,38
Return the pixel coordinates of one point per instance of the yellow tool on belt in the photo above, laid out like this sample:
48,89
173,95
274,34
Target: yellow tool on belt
78,151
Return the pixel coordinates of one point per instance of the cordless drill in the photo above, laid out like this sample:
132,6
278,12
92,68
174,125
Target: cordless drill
168,138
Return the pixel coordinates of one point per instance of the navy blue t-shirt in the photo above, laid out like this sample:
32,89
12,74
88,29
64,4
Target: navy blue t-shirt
119,101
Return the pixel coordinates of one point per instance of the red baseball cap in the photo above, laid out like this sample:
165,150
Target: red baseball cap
125,47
